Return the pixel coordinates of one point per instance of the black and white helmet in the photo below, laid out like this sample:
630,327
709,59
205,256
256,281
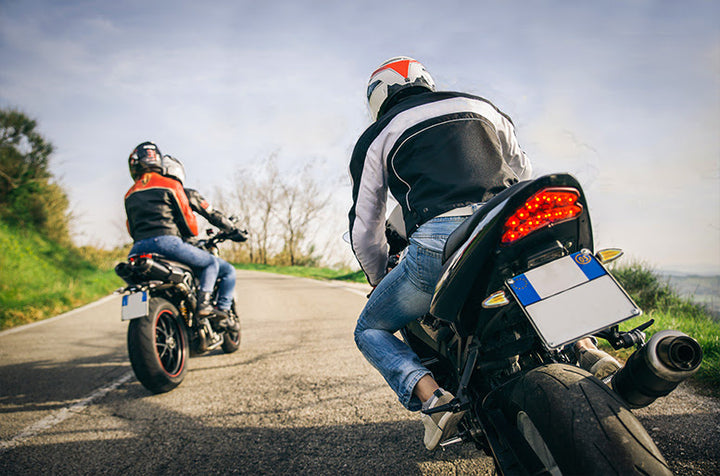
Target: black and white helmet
393,76
173,168
146,157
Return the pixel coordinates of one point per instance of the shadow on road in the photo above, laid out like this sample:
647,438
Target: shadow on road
178,444
48,384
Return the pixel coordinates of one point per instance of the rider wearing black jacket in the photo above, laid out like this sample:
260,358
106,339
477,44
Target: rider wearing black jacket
160,219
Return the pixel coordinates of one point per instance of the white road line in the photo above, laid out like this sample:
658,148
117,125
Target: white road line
67,314
62,414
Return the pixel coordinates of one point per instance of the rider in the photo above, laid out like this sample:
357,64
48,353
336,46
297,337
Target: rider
441,155
160,217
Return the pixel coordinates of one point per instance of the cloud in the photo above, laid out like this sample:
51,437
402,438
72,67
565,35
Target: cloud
625,95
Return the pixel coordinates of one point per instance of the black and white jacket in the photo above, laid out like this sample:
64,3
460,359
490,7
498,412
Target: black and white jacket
434,151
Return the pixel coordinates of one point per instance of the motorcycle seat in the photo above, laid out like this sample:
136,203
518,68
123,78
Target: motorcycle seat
176,264
463,232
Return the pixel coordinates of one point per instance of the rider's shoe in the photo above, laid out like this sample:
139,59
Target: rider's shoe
439,426
204,304
597,362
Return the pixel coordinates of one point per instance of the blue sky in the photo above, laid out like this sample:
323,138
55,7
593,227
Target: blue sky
625,95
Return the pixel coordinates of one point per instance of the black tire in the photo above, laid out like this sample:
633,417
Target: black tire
585,427
231,340
158,347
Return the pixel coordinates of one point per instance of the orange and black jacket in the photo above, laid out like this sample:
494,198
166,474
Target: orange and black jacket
158,205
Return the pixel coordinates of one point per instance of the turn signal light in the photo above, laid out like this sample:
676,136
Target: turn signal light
497,299
608,255
547,207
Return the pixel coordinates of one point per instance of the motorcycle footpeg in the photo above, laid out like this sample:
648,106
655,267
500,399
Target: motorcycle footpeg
453,406
452,441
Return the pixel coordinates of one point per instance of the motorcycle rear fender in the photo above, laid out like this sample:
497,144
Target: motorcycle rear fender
481,264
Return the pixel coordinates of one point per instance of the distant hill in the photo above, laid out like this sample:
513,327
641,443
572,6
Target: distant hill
701,289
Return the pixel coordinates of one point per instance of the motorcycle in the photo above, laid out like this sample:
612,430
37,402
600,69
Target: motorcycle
520,285
160,303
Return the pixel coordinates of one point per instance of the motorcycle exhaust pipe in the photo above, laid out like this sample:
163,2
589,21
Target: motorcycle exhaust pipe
152,269
657,368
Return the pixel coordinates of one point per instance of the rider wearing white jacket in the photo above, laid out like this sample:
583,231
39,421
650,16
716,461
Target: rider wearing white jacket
435,152
441,155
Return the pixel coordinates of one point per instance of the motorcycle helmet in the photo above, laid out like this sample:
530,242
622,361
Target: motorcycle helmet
146,157
393,76
173,168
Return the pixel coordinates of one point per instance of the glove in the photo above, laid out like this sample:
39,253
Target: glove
238,235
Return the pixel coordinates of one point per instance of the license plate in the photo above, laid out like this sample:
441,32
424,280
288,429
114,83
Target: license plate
570,298
134,305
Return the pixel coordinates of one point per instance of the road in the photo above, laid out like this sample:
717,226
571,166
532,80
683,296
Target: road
297,398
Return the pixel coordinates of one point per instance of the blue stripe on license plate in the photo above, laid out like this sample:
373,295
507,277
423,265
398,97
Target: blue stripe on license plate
524,291
588,265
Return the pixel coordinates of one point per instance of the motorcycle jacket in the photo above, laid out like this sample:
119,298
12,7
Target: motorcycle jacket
158,205
434,152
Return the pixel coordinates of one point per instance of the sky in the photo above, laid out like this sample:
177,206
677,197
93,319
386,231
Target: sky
625,95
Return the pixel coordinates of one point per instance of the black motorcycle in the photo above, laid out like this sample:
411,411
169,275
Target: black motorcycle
160,302
521,283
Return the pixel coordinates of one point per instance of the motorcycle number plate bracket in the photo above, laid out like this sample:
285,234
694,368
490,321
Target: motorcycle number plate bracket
135,305
570,298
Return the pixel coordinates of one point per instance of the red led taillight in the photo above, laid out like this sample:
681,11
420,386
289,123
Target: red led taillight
546,207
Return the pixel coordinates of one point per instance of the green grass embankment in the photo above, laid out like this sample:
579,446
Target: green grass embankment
40,279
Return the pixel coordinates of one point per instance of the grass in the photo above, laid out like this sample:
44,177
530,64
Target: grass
307,272
40,279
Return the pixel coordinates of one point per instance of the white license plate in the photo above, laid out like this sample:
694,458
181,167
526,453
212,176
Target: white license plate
570,298
134,305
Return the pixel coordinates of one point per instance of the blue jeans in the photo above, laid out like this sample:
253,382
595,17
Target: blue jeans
403,296
208,267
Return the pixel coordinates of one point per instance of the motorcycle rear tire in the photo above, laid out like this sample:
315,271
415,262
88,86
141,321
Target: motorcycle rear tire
584,425
158,347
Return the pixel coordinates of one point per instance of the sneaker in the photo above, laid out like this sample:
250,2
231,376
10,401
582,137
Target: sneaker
597,362
439,426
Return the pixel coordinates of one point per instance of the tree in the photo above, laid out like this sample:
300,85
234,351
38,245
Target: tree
255,195
278,211
300,204
27,192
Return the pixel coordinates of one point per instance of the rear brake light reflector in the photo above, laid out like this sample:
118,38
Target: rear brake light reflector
546,207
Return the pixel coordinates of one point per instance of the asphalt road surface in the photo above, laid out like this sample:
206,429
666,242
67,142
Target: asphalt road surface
297,398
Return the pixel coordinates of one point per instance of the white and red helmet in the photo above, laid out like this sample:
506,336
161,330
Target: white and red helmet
393,76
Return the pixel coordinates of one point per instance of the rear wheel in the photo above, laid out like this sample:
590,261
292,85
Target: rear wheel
577,425
158,347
